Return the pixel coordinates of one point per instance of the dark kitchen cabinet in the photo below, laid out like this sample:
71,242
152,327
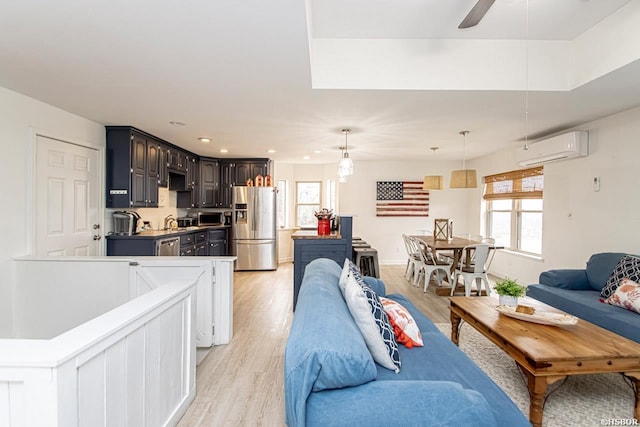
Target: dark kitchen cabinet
132,168
209,183
177,160
189,190
163,166
226,183
218,243
235,172
244,170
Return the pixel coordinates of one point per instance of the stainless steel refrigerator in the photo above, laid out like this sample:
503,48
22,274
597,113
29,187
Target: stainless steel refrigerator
254,228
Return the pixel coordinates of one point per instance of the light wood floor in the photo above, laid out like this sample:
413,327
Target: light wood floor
241,383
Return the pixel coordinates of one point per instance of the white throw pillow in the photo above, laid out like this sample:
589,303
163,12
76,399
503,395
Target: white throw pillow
366,310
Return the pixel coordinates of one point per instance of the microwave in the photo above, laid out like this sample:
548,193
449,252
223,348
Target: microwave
210,218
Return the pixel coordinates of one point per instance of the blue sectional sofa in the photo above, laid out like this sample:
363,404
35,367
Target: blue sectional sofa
577,292
331,379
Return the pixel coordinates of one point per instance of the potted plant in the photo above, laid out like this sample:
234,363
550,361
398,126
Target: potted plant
509,290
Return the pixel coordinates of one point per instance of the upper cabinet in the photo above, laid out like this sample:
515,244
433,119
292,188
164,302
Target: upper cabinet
209,183
132,168
138,163
236,172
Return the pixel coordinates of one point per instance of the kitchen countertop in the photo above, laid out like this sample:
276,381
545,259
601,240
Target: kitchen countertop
313,234
153,234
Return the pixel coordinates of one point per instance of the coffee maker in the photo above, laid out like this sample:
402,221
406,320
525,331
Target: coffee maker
125,223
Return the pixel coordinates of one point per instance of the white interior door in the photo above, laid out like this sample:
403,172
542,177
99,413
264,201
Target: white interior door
66,211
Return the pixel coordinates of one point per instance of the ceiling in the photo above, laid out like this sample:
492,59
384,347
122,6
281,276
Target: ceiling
287,75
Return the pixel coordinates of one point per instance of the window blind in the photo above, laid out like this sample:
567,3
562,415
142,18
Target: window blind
518,184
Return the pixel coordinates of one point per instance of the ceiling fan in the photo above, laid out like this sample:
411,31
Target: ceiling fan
476,14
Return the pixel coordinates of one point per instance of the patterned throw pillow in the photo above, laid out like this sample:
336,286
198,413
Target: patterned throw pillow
404,326
627,267
366,310
627,295
349,268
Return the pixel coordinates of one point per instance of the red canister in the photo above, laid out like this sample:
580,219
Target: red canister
324,227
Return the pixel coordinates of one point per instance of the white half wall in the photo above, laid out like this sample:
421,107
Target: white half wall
20,118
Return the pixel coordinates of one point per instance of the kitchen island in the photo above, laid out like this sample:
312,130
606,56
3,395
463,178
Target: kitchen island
308,245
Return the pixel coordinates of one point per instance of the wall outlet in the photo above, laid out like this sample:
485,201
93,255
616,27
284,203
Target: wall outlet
596,183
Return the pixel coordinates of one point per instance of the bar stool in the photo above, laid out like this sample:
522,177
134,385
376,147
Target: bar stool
358,244
367,261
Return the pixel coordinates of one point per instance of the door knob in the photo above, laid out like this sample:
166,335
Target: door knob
97,237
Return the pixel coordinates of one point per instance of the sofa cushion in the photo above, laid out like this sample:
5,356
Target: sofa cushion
325,348
404,327
404,403
599,268
628,266
586,305
627,295
441,360
366,309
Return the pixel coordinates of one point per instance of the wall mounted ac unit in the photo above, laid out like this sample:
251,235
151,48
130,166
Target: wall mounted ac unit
561,147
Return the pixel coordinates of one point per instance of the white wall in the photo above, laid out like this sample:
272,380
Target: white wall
357,197
20,117
578,221
608,220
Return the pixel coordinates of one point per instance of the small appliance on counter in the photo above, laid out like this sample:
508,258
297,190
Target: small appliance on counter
125,223
186,221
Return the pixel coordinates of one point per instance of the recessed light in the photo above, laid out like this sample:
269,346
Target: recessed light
271,150
174,123
306,157
224,150
317,151
204,139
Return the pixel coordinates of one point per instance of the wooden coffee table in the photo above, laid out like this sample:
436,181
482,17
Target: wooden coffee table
547,354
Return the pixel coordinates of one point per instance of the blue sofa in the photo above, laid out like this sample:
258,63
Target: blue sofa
331,379
577,292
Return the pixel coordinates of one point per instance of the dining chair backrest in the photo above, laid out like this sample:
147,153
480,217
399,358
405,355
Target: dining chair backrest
476,237
482,256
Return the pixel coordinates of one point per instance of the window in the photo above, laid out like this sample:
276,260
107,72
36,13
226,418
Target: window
514,209
283,189
308,197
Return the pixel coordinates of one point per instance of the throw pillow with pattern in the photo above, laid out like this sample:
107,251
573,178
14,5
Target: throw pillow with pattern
349,268
627,267
366,310
404,326
627,295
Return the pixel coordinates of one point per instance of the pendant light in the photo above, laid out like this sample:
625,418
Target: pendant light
345,167
433,182
464,178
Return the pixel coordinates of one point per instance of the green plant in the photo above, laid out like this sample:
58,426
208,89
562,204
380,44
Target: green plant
509,287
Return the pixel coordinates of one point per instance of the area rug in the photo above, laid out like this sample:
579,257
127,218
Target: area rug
583,400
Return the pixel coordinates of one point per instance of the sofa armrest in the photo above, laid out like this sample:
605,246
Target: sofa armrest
576,280
387,403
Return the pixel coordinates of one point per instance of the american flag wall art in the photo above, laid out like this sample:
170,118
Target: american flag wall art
401,198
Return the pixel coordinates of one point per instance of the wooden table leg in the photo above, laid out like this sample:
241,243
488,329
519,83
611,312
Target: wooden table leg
537,392
455,327
635,378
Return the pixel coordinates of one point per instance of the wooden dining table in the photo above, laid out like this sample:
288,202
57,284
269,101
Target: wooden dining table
455,244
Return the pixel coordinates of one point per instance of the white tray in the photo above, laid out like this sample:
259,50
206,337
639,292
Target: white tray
541,317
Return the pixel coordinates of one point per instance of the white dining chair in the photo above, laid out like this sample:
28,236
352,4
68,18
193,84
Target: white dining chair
477,272
431,264
413,258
